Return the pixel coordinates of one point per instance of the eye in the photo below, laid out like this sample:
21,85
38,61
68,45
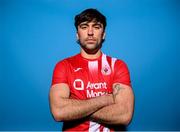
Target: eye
83,26
97,26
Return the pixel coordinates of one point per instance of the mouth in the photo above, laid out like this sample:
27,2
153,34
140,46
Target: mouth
90,40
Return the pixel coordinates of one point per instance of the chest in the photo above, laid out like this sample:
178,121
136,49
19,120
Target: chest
87,80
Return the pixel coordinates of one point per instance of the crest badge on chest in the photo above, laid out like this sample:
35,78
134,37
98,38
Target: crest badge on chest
106,70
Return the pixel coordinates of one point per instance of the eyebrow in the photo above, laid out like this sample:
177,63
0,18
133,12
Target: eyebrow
86,24
82,24
97,24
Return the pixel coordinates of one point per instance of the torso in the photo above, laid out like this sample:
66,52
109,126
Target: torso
87,79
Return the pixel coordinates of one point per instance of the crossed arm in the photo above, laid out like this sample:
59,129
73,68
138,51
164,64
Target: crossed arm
116,108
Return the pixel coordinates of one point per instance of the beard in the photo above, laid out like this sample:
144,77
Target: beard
90,48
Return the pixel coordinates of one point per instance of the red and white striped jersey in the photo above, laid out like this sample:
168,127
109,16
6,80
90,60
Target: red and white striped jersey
88,79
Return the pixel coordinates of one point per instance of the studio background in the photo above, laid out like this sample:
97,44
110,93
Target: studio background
36,34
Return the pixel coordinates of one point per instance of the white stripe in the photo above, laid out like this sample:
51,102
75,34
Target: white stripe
104,61
94,127
106,129
93,65
105,64
113,60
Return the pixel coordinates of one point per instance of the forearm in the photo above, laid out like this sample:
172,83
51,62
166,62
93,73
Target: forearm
120,112
112,114
70,109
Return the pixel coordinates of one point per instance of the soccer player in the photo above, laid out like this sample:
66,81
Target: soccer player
91,91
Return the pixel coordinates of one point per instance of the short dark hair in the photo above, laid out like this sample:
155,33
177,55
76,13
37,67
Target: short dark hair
90,15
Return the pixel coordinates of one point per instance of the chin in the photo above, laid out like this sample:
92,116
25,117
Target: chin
91,46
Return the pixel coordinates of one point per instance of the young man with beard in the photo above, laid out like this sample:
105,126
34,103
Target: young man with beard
91,91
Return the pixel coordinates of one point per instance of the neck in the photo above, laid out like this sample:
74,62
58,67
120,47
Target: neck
90,56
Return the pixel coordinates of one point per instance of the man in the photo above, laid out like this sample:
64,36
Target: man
91,91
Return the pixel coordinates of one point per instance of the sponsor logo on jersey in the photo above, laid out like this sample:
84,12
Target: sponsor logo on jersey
78,84
101,85
91,88
91,93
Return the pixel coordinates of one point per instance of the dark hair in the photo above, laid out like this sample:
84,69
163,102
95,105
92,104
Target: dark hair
90,15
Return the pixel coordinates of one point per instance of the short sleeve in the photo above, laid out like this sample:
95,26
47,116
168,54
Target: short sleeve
121,73
59,73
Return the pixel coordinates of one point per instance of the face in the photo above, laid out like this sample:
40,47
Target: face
90,35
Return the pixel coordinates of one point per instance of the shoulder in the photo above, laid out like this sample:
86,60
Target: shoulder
115,60
67,60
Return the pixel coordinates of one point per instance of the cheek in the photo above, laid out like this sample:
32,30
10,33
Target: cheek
81,35
100,36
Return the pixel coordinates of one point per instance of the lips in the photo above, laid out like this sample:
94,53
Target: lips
90,39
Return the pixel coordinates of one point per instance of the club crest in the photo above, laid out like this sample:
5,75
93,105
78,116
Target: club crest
106,70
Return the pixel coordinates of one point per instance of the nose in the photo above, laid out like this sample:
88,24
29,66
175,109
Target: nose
90,31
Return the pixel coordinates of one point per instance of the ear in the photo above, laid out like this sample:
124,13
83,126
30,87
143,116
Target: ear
77,36
104,35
